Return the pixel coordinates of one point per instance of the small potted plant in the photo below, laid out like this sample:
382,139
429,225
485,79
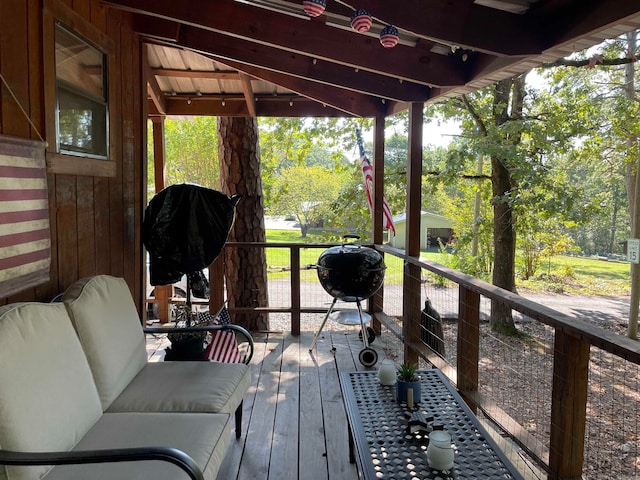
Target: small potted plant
407,379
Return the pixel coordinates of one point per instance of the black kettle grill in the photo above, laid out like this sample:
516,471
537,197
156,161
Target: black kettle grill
351,273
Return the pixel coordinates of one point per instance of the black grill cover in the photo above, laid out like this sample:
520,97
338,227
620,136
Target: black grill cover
185,227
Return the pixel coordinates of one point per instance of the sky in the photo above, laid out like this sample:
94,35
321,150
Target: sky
439,134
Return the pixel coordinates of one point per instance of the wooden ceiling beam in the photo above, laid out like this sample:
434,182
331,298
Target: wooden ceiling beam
154,90
458,23
248,94
158,28
307,37
210,74
352,103
301,66
588,17
298,107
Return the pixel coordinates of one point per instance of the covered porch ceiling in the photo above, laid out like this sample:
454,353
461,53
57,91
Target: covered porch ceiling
269,58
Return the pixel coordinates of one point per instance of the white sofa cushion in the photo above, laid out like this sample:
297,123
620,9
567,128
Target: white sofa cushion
185,387
204,437
107,322
48,399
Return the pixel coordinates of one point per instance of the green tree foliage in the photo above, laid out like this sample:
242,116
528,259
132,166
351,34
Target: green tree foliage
191,152
288,142
601,162
525,136
308,192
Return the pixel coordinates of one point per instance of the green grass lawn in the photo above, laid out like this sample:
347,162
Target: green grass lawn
581,275
562,274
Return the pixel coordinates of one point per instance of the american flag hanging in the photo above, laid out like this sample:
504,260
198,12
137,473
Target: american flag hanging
25,239
367,172
223,346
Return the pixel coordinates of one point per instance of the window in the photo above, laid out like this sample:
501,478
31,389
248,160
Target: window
81,113
77,92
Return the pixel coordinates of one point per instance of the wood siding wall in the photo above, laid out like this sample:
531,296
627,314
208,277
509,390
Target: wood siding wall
95,221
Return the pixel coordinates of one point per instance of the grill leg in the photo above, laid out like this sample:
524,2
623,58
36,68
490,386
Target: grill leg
365,337
315,338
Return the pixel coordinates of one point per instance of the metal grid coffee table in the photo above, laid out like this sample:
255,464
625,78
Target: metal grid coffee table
385,450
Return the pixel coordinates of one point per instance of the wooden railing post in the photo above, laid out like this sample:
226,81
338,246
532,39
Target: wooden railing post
411,311
216,284
468,340
295,290
569,406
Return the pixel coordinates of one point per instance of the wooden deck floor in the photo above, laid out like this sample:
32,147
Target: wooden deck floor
294,421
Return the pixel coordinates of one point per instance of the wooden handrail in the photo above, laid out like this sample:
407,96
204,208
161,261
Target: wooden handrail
608,341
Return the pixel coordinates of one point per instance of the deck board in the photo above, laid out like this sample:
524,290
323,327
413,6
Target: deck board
312,457
284,452
257,448
294,420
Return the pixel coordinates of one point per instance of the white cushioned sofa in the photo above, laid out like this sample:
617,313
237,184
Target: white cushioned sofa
74,380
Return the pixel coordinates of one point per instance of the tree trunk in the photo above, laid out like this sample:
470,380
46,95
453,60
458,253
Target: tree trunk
245,268
504,234
633,185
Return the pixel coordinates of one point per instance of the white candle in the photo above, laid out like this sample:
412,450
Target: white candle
410,397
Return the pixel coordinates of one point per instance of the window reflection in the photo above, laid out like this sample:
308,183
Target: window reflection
82,125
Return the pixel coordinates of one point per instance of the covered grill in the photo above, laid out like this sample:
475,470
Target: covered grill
351,273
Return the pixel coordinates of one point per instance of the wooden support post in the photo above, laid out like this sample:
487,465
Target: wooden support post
569,406
295,290
468,354
376,303
162,292
160,175
412,304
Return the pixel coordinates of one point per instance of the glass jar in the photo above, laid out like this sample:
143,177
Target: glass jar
440,453
387,372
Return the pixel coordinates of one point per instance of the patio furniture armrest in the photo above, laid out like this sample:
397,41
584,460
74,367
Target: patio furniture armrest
165,454
208,328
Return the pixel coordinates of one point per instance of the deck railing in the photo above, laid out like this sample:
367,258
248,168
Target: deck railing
564,392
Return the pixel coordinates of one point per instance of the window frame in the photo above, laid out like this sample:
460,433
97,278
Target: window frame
76,163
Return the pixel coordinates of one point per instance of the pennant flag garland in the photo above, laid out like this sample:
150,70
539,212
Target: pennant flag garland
223,346
367,172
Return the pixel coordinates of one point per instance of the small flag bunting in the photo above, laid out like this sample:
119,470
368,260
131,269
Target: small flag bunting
223,346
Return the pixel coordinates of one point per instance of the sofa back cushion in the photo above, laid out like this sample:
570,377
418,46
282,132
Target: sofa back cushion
108,326
48,399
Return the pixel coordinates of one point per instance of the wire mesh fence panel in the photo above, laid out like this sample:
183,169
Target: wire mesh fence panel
612,434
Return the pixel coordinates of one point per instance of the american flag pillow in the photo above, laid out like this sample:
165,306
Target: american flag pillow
223,346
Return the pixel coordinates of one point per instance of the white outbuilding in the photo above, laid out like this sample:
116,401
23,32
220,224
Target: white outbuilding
432,227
